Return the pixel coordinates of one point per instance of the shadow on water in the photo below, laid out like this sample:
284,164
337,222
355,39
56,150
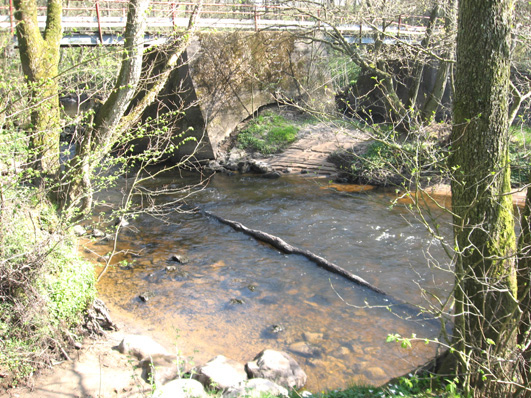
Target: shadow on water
235,296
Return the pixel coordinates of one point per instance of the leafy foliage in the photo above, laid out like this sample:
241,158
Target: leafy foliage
392,159
44,287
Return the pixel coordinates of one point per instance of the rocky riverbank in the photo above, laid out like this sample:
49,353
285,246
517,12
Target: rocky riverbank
135,365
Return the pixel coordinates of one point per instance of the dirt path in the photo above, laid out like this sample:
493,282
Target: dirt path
310,153
97,370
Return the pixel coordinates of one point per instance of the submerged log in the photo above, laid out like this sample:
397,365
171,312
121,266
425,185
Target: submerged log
285,247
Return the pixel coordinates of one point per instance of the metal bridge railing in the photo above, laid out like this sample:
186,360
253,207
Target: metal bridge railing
112,14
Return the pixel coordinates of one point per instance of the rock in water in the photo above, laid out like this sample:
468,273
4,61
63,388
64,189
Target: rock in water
145,296
179,258
277,329
277,366
302,348
79,230
98,233
260,167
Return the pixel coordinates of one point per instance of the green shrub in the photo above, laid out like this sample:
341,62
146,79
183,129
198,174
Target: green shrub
44,286
69,284
268,133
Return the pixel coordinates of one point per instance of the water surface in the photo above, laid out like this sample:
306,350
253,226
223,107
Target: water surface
234,293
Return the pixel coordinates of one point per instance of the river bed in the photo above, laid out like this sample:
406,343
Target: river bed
236,296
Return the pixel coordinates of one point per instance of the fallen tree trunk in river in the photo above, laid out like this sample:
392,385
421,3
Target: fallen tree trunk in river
400,307
285,247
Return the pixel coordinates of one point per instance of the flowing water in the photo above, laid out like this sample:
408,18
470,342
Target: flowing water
236,296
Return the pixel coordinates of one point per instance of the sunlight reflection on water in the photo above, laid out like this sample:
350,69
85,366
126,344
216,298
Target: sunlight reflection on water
230,293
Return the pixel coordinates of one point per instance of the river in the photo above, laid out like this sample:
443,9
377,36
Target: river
236,296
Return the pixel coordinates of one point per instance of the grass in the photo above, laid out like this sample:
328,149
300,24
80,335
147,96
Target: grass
268,133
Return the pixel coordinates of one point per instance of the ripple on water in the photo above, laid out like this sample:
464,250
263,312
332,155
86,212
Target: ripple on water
210,302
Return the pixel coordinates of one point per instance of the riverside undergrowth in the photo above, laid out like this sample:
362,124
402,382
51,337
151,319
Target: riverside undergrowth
44,286
409,386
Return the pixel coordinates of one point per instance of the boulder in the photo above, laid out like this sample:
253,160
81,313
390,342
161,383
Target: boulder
260,167
98,233
256,388
213,165
141,347
179,258
181,388
79,230
277,366
122,222
313,338
272,175
244,167
220,373
162,368
235,155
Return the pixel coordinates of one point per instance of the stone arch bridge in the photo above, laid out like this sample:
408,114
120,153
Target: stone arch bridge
225,75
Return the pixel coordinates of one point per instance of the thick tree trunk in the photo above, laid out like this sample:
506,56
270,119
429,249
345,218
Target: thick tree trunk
39,56
111,121
485,289
524,292
98,141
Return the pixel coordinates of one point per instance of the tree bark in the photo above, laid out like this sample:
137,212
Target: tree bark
111,121
419,65
98,140
39,55
524,292
485,287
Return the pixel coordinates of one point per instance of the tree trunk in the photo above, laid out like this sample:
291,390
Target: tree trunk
111,121
524,293
435,97
98,140
39,56
285,247
486,290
